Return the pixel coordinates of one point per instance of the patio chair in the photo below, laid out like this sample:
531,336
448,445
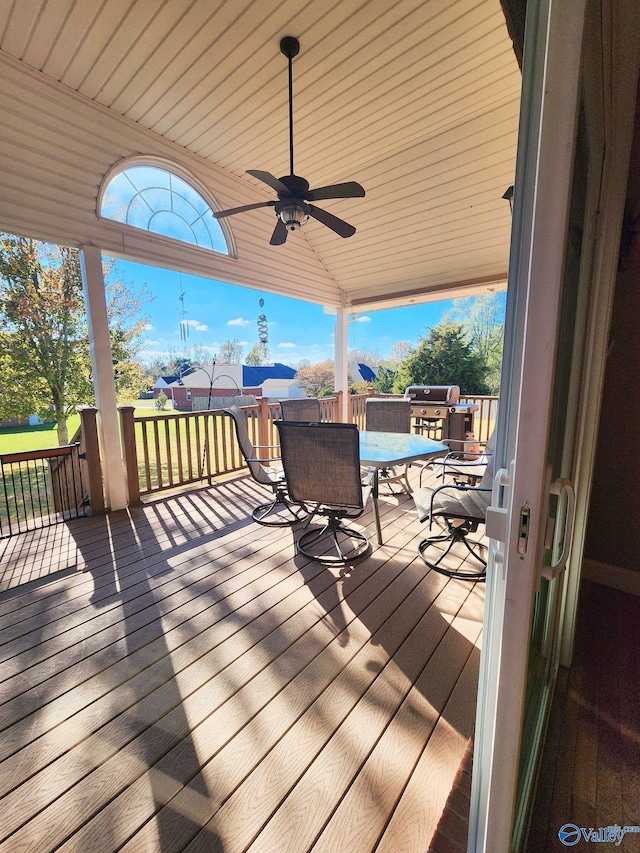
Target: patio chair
322,467
462,508
387,415
465,466
279,512
302,409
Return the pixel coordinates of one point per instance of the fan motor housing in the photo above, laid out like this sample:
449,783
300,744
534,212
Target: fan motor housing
296,185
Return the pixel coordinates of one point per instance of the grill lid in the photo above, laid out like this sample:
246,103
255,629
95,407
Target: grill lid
447,395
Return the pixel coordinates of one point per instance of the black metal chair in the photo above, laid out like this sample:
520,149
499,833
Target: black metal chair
281,511
467,465
322,467
303,409
462,508
390,415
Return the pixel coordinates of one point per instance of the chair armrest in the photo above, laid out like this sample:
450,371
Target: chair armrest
265,459
458,459
474,441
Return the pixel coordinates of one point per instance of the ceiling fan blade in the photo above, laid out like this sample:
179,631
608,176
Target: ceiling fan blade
219,214
338,225
269,179
350,189
279,235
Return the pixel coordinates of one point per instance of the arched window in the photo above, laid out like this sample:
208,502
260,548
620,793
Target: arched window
157,200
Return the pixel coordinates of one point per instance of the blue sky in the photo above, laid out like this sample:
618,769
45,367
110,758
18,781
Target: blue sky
216,312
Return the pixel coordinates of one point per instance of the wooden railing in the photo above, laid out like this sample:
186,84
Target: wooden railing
174,450
485,418
483,422
40,488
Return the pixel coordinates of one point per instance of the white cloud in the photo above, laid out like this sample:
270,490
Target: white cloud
363,319
285,345
148,327
239,321
197,325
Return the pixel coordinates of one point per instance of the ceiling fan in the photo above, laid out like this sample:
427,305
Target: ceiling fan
292,207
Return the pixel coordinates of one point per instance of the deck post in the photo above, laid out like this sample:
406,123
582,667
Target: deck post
103,378
91,449
132,477
341,367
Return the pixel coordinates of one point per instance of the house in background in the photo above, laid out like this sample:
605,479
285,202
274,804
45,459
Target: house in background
274,381
225,384
162,385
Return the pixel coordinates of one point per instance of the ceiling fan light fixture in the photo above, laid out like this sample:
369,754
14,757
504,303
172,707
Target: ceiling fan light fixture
294,215
292,208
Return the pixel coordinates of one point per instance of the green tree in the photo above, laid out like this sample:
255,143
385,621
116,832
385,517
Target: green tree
317,379
45,368
388,367
177,363
385,379
443,357
482,318
258,354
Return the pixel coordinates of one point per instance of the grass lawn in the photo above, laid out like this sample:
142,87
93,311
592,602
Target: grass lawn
17,439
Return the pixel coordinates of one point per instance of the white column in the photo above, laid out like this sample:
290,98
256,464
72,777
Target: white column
340,359
103,380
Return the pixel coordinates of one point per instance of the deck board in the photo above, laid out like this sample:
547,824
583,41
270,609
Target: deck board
176,677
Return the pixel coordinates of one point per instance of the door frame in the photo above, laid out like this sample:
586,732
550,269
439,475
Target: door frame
513,579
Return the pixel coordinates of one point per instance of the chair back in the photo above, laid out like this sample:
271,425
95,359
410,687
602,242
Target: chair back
304,409
321,463
486,480
247,449
386,415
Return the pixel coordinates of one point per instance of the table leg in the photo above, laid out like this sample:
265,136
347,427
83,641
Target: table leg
376,511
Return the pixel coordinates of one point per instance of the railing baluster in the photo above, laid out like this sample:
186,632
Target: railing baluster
179,460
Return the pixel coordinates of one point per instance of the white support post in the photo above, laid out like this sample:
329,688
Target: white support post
103,379
340,360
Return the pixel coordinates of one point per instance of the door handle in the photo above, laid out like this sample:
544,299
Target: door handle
560,487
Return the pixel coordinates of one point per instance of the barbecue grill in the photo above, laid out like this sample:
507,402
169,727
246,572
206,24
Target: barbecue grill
438,412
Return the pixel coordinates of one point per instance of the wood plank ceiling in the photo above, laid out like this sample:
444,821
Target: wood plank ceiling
417,100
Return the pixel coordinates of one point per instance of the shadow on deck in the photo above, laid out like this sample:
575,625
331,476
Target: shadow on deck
175,677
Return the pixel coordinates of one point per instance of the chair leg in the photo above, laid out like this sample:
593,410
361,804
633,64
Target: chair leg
280,512
340,536
453,535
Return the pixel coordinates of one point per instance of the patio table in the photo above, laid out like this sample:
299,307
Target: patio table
386,449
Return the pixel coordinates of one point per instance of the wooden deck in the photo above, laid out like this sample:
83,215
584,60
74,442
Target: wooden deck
174,677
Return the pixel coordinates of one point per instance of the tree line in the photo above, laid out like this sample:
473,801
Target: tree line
464,349
45,363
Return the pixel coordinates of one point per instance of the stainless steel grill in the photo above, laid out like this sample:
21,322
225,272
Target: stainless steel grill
438,412
447,395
